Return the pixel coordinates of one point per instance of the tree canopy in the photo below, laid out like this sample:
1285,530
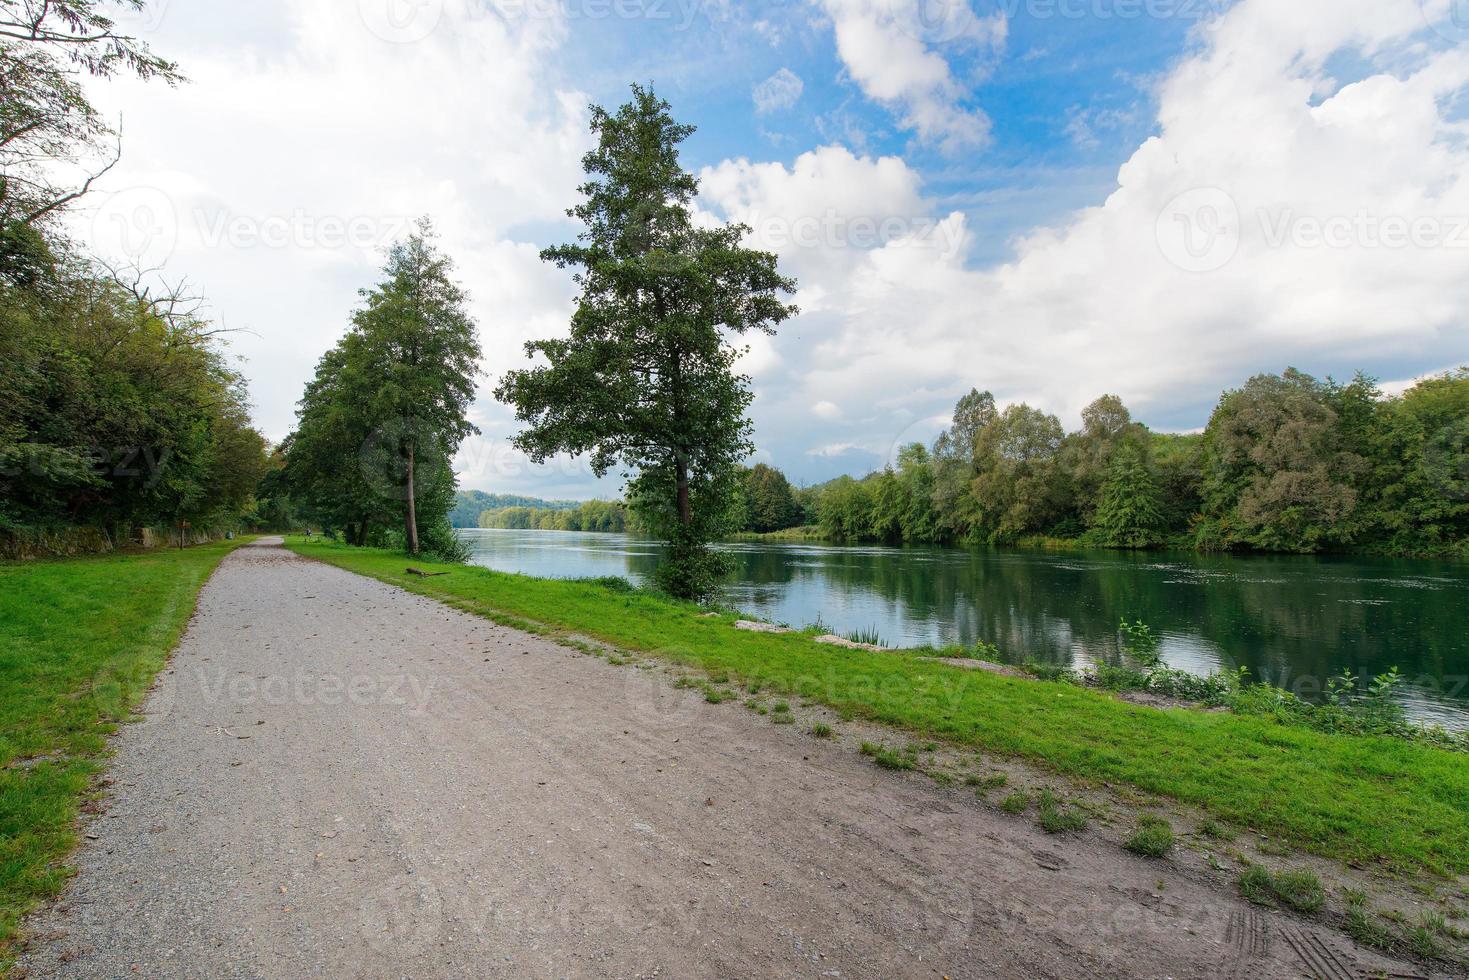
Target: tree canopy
645,380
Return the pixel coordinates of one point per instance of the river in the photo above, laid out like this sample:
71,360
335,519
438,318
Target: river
1294,621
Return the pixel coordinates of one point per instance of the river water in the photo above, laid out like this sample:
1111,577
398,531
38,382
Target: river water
1294,621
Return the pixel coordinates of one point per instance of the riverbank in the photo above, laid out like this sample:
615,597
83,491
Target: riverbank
81,641
1382,802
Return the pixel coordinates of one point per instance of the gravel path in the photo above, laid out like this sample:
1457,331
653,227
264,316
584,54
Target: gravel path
337,778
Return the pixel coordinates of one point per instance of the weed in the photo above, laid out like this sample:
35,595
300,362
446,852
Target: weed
1364,929
783,719
1056,818
1016,802
780,707
887,758
868,636
1215,830
714,695
1301,890
821,730
986,783
1153,837
942,778
1256,887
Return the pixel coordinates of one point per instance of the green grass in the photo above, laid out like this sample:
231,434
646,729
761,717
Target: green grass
1016,802
1153,837
1300,890
1402,805
81,641
1055,817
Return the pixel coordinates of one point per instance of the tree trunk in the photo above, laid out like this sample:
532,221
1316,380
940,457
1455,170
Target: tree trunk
685,513
362,533
412,508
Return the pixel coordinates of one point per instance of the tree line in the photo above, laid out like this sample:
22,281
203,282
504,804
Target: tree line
119,407
1287,463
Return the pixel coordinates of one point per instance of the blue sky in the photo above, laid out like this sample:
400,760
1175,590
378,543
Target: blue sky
1078,196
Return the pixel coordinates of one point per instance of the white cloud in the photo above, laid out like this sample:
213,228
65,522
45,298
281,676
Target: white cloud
892,49
315,124
779,91
1325,179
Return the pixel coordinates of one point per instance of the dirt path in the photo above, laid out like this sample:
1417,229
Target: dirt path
341,779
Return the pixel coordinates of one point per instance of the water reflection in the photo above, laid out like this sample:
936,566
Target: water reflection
1293,621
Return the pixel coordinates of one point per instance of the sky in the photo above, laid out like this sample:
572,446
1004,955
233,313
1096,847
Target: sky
1049,199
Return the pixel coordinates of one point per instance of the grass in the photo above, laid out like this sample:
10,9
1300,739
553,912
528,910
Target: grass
1055,817
821,730
81,641
1299,890
1016,802
1153,838
1398,804
888,758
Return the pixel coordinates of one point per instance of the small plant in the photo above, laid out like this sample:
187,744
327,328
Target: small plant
714,695
1256,887
1153,837
1051,672
869,636
783,719
821,730
780,708
942,778
986,651
1057,818
1300,890
1215,830
684,682
983,784
1140,643
1016,802
887,758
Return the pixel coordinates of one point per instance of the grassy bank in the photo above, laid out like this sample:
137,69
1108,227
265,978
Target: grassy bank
1389,802
81,640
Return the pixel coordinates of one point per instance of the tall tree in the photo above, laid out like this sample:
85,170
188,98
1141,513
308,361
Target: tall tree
1128,512
380,421
420,357
646,378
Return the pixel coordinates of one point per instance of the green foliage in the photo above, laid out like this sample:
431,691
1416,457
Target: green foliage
1299,890
593,515
770,501
1152,838
1287,463
379,423
1128,513
645,381
470,504
1055,817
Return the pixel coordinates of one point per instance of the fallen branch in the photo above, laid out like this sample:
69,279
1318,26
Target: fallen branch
421,572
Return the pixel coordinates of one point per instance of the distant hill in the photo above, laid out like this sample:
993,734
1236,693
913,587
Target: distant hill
469,503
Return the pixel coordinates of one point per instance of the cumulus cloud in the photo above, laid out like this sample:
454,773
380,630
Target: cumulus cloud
894,52
779,91
1278,216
